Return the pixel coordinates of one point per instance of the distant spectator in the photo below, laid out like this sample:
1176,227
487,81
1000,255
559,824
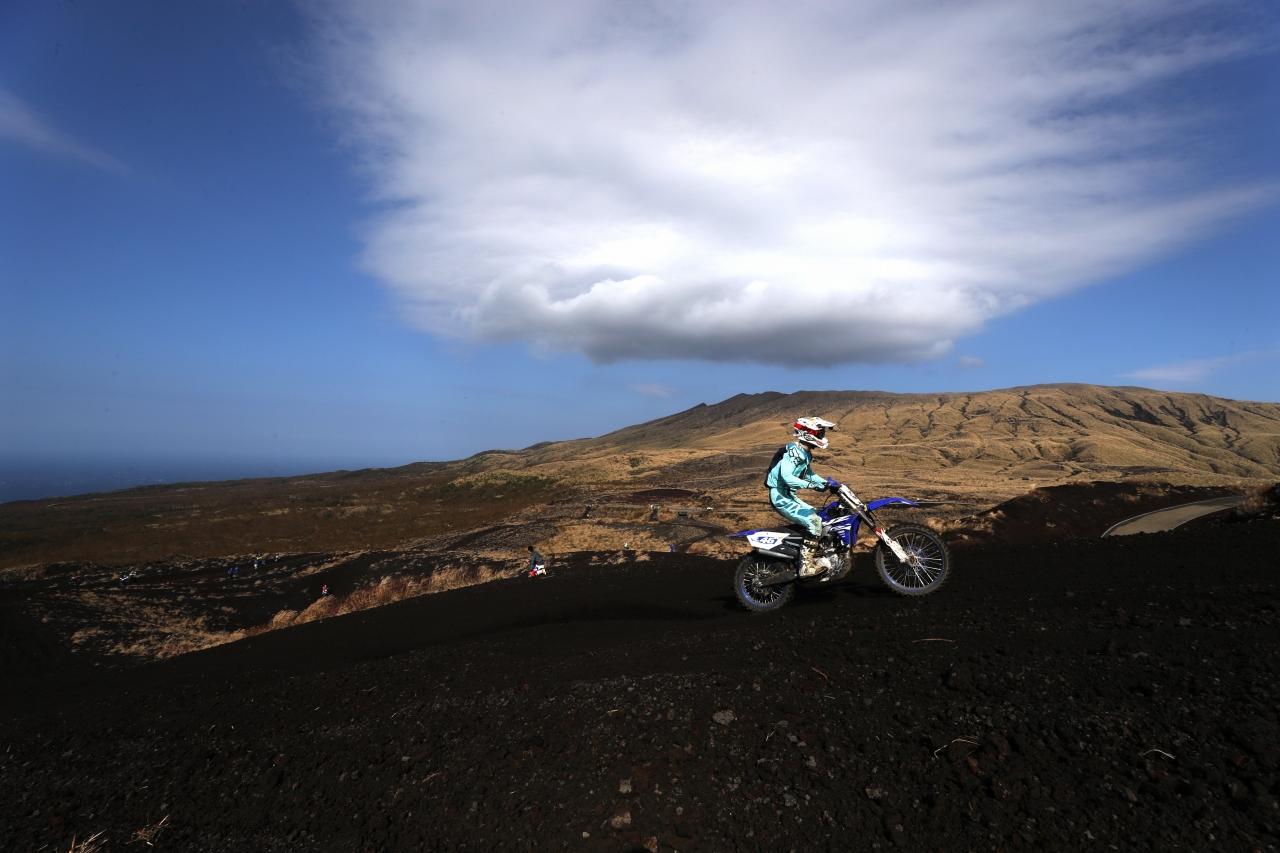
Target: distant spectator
233,572
324,590
537,563
257,563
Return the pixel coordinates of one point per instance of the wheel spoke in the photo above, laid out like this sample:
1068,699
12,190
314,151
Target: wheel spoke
754,590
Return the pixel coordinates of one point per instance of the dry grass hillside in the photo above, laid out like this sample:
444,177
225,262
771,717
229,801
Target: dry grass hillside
972,450
1047,433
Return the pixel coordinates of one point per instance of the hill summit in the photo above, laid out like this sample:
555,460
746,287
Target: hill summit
1042,433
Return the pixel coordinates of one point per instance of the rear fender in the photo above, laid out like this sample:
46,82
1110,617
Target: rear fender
779,545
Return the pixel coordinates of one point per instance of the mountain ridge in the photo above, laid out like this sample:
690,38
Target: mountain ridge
972,450
1068,420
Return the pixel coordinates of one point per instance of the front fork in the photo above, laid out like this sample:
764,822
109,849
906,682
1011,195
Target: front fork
882,534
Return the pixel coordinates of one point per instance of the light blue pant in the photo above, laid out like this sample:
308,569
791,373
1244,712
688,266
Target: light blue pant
796,511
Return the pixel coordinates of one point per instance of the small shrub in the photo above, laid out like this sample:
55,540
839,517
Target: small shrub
283,619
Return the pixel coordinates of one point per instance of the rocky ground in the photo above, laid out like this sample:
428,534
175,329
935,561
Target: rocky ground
1075,694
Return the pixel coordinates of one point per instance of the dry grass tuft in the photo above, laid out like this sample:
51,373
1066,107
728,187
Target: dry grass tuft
144,630
282,619
1261,499
147,834
190,640
92,844
388,590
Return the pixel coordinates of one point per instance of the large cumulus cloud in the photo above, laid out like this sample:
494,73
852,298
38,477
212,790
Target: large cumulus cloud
779,183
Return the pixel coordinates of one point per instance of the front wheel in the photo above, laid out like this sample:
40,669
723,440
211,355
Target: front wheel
751,593
928,564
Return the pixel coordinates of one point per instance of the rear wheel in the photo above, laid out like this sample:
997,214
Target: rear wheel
754,596
928,564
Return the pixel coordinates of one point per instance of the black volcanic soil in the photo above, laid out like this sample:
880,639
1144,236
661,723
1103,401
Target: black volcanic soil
1085,694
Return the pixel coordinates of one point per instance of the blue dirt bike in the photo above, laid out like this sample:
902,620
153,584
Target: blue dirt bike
911,559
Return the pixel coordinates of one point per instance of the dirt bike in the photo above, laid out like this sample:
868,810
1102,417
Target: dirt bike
911,559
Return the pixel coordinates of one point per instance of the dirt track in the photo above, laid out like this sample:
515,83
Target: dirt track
1168,519
1080,695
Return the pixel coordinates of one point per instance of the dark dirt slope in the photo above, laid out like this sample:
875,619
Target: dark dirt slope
1080,695
1077,510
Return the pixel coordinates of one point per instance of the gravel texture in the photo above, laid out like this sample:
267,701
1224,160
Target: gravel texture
1088,694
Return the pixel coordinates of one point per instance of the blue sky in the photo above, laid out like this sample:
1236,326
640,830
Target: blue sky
252,238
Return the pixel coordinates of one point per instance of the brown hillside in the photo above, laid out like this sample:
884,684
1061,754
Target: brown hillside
971,449
997,443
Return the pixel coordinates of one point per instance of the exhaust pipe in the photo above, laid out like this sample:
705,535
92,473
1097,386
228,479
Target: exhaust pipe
777,578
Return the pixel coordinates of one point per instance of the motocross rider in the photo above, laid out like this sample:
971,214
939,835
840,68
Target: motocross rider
792,471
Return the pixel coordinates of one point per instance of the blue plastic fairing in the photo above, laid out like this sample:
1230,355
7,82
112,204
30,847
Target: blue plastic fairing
876,504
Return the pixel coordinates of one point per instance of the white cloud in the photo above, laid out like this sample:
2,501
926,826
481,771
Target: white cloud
765,182
652,389
1182,373
1197,370
21,124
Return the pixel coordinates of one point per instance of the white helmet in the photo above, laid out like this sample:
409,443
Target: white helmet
812,431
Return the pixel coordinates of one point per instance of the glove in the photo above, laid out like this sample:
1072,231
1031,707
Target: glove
832,485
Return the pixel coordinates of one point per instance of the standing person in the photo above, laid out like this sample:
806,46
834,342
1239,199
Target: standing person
791,470
537,563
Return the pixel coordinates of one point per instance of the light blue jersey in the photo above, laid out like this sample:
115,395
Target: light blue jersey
792,473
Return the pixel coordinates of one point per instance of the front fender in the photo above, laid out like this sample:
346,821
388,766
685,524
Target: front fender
879,502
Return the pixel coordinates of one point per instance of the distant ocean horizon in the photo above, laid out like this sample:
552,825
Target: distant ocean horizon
26,479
